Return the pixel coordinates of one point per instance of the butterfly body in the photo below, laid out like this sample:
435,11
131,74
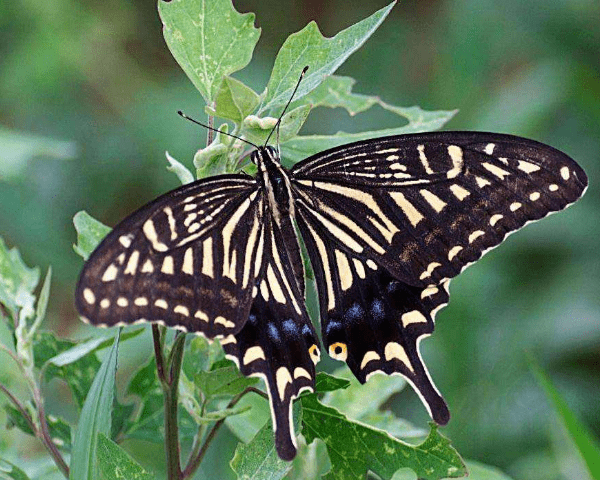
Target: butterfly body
386,224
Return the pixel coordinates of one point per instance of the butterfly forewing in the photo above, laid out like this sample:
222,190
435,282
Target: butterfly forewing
188,259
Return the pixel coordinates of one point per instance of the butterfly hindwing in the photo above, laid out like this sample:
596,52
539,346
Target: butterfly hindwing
188,259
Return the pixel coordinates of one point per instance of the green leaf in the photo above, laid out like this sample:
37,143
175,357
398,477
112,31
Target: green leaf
246,425
479,471
217,415
223,381
200,355
336,92
419,120
235,101
581,436
258,460
60,431
115,463
322,55
90,233
257,129
213,160
355,448
209,39
95,418
10,471
17,282
328,383
183,174
42,304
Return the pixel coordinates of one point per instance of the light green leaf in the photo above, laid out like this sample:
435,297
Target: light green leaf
258,459
60,431
213,160
10,471
336,92
18,148
479,471
223,381
116,464
329,383
419,120
17,282
581,436
209,39
200,355
246,425
75,353
322,55
258,129
42,304
95,418
355,448
183,174
90,233
235,101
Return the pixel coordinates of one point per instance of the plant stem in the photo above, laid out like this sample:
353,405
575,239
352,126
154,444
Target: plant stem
194,463
209,133
19,407
158,353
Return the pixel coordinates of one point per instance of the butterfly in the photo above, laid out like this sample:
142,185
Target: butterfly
386,223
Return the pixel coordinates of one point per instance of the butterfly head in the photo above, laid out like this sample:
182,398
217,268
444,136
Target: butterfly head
265,158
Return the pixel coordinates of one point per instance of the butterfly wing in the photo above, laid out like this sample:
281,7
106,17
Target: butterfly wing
388,222
188,259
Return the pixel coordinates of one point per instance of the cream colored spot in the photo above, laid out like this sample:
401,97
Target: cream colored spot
360,268
429,271
202,316
105,303
494,219
495,170
553,187
223,321
125,240
141,301
264,290
454,251
182,309
475,235
395,350
207,257
148,267
188,262
369,357
89,296
423,159
413,215
167,266
274,285
188,207
227,340
429,291
122,302
459,192
190,218
391,158
161,304
252,354
315,354
343,270
110,273
121,259
515,206
489,148
152,236
534,196
194,227
564,173
436,202
527,167
282,378
371,264
414,316
132,263
301,372
338,351
482,182
456,155
171,219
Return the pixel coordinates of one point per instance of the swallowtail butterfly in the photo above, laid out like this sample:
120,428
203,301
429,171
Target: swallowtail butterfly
386,223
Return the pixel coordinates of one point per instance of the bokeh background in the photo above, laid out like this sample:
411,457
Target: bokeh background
88,101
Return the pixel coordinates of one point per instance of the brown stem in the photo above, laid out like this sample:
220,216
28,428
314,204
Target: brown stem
19,407
194,463
209,133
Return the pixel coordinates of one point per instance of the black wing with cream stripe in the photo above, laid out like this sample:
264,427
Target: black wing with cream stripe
384,246
278,342
188,259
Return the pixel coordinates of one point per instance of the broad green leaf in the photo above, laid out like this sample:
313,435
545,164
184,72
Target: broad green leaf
257,129
90,233
246,425
312,461
328,383
419,120
10,471
115,463
17,282
479,471
581,436
223,381
213,159
322,55
209,39
355,448
18,148
60,431
183,174
235,101
336,92
258,459
95,418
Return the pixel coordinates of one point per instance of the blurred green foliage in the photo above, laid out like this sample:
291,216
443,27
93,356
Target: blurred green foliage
92,91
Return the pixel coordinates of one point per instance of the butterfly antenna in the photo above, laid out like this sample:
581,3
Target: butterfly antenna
214,129
276,127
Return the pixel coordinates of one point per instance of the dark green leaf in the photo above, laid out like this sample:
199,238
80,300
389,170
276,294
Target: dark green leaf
95,418
116,464
328,383
17,282
355,448
209,39
322,55
10,471
90,233
235,101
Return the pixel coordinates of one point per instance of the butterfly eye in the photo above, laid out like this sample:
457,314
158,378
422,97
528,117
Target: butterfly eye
338,351
315,354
